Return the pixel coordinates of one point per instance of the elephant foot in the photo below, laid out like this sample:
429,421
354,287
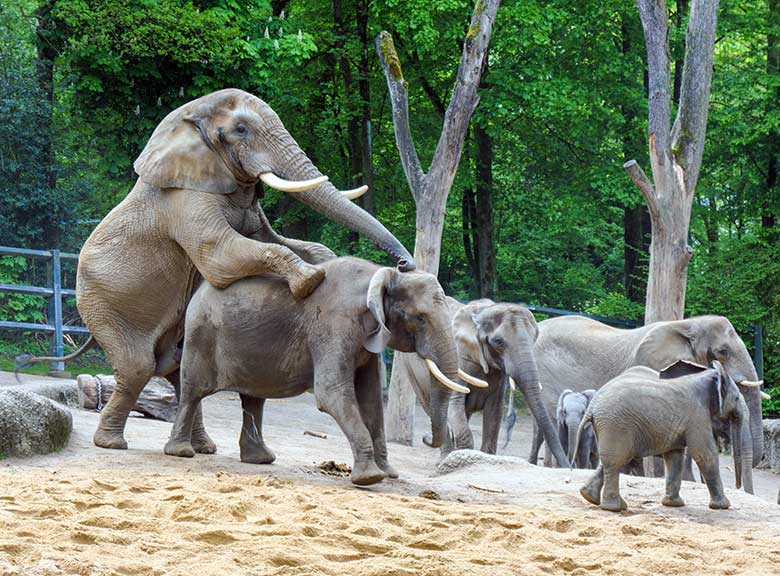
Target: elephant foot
385,467
720,503
673,501
616,504
108,439
366,473
181,448
306,281
257,454
592,496
203,444
428,440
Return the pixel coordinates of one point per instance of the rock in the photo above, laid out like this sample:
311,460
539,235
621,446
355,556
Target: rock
63,392
157,400
772,443
462,458
31,424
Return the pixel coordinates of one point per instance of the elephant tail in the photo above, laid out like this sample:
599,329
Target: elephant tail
26,360
587,419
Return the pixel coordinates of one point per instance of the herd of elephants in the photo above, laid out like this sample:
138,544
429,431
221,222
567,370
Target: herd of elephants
186,279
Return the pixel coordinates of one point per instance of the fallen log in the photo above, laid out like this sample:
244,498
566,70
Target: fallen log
157,399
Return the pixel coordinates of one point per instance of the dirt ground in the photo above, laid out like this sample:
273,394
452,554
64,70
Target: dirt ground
91,511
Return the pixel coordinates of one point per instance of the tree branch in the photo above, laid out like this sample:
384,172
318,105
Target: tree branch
642,182
655,22
399,98
690,125
465,98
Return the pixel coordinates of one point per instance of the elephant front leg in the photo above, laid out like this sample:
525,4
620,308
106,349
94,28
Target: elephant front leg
368,390
251,443
200,440
673,460
707,461
334,389
458,420
536,444
491,422
258,228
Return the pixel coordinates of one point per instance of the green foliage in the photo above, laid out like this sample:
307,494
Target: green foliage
18,307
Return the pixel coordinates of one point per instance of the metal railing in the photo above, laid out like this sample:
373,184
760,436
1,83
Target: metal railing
54,293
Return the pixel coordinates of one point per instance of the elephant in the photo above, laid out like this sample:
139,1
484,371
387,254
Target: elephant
256,339
576,352
568,414
194,213
498,340
646,413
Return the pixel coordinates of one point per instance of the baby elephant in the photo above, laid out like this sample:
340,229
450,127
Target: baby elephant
256,339
645,413
568,414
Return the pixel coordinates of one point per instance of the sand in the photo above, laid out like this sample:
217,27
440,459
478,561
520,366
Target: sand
91,523
96,512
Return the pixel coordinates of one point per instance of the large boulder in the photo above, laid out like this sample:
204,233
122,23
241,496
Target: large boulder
31,424
772,443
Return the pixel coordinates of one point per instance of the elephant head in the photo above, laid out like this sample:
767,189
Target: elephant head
505,337
728,410
702,340
231,139
569,413
410,314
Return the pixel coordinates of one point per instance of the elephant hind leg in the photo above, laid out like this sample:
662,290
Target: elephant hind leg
251,443
610,495
133,366
591,491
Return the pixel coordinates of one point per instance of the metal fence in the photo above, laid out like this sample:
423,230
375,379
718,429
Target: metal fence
54,293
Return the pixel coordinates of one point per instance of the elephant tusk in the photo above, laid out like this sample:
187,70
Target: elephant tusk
466,377
291,185
356,193
751,384
765,396
439,375
512,384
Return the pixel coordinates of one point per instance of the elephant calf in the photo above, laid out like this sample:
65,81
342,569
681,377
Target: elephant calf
568,415
256,339
646,413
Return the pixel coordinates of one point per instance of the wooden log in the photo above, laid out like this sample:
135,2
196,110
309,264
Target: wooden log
157,399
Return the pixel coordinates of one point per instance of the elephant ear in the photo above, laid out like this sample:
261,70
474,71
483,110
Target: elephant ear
180,154
589,394
680,368
464,329
665,344
377,338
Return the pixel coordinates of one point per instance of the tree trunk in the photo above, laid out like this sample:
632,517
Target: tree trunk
675,151
368,200
44,65
430,190
486,254
769,206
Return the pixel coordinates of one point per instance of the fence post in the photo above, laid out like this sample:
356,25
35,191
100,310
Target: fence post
758,351
55,311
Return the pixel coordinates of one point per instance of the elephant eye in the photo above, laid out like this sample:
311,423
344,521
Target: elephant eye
241,129
420,318
497,341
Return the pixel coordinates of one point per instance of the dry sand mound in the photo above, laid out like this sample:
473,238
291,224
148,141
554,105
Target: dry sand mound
91,523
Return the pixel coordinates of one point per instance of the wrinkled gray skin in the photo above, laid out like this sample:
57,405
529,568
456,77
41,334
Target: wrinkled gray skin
495,343
194,211
568,414
643,413
256,339
579,353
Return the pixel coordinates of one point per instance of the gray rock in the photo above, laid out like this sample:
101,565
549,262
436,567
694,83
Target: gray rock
31,424
462,458
772,443
65,392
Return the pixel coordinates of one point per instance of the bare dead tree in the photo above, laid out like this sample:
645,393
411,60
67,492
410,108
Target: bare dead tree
675,150
430,189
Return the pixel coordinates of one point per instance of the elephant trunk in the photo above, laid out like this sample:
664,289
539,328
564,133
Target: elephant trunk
327,200
572,423
441,349
523,369
756,427
742,448
742,369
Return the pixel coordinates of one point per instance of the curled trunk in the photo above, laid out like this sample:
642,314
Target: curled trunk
523,369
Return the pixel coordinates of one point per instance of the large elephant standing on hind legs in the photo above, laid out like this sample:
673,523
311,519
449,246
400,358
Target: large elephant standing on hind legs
194,209
578,353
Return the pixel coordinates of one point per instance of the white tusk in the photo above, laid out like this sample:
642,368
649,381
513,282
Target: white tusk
439,375
750,384
356,193
512,384
765,396
466,377
291,185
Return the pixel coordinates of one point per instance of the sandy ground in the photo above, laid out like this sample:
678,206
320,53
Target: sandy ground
90,511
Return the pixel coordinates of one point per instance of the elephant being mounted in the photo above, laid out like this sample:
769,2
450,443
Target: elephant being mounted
194,210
